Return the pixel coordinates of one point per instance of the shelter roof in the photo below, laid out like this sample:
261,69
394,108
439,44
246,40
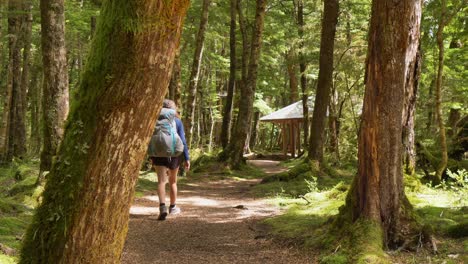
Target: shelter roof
290,112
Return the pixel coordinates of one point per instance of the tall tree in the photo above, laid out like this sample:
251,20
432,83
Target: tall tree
291,67
444,20
302,69
55,103
189,111
377,193
325,79
247,93
83,217
15,137
174,84
227,111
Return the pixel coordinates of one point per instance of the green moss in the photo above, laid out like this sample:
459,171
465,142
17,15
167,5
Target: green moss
4,259
335,259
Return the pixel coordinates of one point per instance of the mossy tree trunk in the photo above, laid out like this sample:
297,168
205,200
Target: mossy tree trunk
377,193
84,214
55,102
235,151
325,79
189,111
227,111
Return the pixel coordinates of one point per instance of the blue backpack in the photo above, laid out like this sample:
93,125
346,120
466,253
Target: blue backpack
165,141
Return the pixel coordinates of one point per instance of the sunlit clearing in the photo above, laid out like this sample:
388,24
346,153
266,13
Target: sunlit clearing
143,210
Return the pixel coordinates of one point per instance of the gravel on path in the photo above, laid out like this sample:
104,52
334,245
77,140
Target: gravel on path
218,224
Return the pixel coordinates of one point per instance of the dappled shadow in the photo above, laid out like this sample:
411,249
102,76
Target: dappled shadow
217,225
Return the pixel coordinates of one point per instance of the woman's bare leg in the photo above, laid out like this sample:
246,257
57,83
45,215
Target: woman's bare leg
173,185
161,171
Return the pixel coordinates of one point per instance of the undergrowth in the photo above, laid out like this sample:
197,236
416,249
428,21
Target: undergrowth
19,195
312,197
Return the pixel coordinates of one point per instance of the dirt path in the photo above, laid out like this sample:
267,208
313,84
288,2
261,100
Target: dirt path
210,228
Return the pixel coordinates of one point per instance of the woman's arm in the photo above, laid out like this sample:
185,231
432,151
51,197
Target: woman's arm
180,131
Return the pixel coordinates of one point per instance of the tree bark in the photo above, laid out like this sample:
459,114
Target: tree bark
55,102
84,214
302,68
227,111
291,67
25,76
325,79
377,193
174,84
409,115
189,111
35,108
16,132
254,130
244,117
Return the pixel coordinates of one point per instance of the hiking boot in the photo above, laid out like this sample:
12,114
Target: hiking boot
162,212
174,210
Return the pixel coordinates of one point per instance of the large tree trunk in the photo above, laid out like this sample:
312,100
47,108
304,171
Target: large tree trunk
55,103
189,111
244,117
377,193
227,111
409,116
325,79
302,68
84,214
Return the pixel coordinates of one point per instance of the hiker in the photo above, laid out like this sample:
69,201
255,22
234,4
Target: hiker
165,151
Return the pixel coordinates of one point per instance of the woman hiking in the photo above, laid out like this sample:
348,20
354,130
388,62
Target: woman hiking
166,144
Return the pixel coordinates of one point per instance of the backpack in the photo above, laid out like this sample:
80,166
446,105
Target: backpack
165,141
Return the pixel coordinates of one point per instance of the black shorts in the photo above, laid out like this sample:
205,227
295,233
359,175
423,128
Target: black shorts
171,163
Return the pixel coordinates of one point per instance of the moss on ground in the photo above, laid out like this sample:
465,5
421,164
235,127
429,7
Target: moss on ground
18,197
312,208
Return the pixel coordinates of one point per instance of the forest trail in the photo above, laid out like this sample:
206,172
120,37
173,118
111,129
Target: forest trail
210,228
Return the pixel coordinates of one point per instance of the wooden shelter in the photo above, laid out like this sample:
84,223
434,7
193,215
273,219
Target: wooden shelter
290,119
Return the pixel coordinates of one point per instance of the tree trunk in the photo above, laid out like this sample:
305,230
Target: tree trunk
291,67
334,124
377,193
189,111
254,130
174,84
430,108
443,21
248,90
25,76
409,115
325,79
227,111
35,108
16,128
6,95
302,68
55,103
84,214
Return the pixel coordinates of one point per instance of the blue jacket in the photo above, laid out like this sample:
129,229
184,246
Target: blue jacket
180,131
